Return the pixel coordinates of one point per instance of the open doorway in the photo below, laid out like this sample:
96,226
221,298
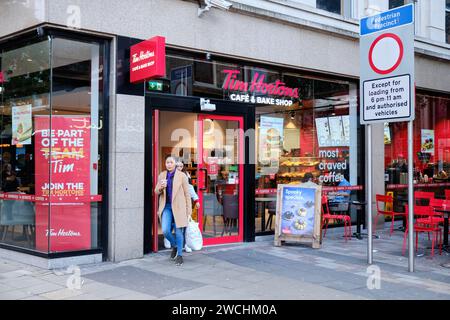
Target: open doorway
211,148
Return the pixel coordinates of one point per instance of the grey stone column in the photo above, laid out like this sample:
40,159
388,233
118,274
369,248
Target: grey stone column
378,168
126,178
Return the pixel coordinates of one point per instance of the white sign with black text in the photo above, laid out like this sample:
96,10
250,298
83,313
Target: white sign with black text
387,98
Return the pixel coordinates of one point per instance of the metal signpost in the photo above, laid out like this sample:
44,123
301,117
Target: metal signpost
387,90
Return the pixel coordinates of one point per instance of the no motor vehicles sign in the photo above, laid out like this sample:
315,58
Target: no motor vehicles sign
387,66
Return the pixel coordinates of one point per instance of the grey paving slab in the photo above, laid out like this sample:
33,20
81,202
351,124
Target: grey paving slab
34,298
61,294
210,292
43,288
288,289
345,285
379,294
103,290
5,288
15,274
134,296
60,280
253,276
144,281
23,282
14,295
88,296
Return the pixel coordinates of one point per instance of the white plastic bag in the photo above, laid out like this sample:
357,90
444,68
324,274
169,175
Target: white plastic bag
166,243
194,237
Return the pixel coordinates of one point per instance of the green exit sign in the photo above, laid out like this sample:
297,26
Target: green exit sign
154,86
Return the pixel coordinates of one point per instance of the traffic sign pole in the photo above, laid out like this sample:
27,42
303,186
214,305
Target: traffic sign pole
410,212
387,92
369,195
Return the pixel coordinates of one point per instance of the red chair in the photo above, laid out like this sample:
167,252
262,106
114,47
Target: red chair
387,210
422,198
436,204
327,216
447,194
437,217
427,225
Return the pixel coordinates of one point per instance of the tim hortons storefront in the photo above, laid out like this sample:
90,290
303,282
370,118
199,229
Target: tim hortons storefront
241,129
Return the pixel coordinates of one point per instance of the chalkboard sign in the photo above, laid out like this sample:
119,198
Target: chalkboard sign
298,214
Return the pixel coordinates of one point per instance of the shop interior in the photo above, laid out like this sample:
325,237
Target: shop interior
74,73
312,140
178,137
431,150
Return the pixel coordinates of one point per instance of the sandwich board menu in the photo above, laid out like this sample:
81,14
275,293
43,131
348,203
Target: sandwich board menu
298,214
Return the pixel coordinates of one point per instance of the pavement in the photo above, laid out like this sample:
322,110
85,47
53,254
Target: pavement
246,271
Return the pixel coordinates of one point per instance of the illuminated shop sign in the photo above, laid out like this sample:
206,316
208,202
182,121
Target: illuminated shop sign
148,60
258,90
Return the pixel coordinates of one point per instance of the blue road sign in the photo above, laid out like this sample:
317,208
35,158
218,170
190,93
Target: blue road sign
387,20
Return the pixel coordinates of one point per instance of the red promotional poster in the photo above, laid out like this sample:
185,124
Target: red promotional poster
213,166
63,223
148,60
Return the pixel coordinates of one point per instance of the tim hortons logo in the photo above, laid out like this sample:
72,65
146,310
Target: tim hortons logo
257,85
143,56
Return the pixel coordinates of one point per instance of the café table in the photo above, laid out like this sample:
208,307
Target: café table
404,201
445,246
360,217
446,213
262,201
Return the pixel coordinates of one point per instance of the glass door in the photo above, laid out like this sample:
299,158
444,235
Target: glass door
220,178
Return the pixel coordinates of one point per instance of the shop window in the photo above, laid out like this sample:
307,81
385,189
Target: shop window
312,140
51,145
204,72
334,6
431,150
191,77
447,21
179,71
396,3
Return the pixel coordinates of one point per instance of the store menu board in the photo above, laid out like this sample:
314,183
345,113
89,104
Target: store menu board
323,131
333,131
270,142
22,125
387,133
298,214
427,141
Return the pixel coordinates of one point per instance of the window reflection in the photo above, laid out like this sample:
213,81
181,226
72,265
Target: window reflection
313,140
431,150
48,199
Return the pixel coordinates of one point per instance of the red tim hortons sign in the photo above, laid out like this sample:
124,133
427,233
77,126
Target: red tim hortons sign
148,60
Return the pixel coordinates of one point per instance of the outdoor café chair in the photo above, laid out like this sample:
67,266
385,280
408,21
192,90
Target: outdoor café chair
327,216
425,225
447,194
386,210
423,198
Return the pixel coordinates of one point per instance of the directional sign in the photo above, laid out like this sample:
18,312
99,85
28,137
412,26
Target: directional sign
387,66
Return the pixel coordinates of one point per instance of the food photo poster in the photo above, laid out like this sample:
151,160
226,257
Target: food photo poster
298,210
22,125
